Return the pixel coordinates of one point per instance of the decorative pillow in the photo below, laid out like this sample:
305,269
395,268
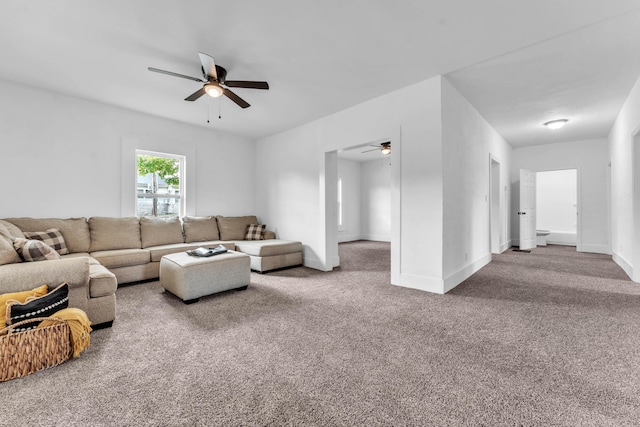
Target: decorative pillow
34,250
234,227
51,237
255,232
8,254
43,306
75,230
21,297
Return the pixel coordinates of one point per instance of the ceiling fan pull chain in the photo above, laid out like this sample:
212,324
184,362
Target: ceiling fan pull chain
219,107
208,109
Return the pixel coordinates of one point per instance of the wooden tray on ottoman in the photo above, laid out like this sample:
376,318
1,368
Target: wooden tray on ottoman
23,353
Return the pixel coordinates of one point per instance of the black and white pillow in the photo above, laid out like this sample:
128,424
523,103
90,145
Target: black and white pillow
43,306
34,250
51,237
255,232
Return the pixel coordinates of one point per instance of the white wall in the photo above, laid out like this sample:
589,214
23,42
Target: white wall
291,193
63,157
366,188
557,205
375,209
468,144
625,226
349,172
590,158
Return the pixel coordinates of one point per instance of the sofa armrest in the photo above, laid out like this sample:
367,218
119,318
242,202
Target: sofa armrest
28,275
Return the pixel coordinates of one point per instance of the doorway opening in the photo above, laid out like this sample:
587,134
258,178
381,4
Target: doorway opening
362,199
495,220
557,220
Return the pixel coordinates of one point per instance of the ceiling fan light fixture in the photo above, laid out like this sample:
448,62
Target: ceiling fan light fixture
213,90
556,124
386,150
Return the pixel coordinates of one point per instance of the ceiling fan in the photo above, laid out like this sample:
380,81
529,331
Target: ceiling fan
215,81
384,147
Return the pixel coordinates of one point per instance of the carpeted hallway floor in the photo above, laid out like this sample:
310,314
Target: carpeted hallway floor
547,338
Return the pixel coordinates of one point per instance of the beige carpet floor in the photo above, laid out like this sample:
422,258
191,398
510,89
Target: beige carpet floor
550,338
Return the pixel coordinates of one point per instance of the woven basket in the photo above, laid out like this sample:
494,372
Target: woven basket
23,353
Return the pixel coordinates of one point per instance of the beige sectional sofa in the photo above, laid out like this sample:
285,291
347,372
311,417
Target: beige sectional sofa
106,251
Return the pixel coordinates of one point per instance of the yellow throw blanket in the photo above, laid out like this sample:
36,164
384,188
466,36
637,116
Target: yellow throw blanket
79,324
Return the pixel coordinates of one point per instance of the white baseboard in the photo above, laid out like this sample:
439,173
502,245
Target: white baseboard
595,249
505,246
376,237
559,238
314,263
422,283
623,263
464,273
348,238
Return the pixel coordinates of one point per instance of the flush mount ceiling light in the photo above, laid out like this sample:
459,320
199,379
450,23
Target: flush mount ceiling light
556,124
213,90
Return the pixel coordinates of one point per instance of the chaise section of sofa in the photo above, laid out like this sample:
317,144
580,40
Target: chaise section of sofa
267,253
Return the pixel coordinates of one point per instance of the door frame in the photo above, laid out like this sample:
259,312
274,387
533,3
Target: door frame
328,203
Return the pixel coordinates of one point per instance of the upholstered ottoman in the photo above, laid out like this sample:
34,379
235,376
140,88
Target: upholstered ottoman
191,277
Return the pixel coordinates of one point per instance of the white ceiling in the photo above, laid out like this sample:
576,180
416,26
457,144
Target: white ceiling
516,61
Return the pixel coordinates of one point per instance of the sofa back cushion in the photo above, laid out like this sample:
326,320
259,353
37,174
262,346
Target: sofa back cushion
11,229
200,229
75,231
234,227
109,233
155,231
8,254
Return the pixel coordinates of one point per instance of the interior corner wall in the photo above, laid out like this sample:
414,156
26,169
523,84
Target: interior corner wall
291,171
590,158
62,157
375,199
625,226
349,172
468,144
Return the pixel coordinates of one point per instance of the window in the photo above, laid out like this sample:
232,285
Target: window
159,186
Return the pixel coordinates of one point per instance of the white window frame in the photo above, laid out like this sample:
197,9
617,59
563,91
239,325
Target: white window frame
181,191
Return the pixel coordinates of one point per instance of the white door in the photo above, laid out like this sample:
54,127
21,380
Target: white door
527,213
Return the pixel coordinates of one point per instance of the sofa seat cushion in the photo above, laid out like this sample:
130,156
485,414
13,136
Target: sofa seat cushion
92,260
157,252
268,247
102,282
122,257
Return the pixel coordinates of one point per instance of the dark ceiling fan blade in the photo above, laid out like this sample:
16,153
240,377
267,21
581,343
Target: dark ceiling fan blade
195,95
375,149
235,98
247,84
208,66
171,73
